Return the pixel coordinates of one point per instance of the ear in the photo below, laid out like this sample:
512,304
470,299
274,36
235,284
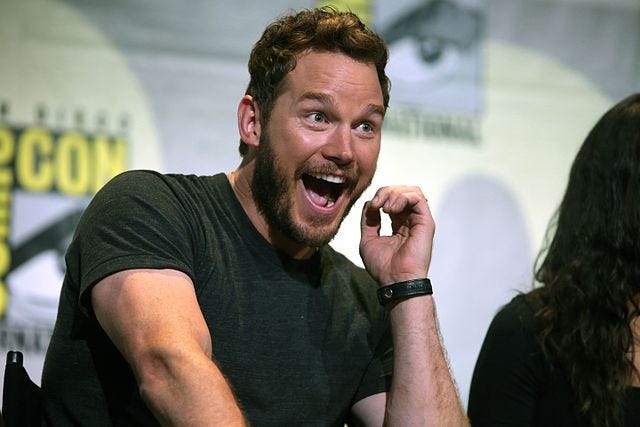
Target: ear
249,121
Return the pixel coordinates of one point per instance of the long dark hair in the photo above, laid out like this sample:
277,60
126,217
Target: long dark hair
591,268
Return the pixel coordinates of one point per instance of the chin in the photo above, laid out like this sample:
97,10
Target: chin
316,235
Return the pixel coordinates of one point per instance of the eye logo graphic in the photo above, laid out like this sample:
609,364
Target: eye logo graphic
434,65
435,70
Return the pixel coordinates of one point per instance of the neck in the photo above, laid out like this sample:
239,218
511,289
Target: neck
240,180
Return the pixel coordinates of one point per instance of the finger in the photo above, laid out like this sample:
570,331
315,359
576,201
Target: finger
370,221
403,200
385,196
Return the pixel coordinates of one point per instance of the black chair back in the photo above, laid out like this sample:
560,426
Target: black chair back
21,397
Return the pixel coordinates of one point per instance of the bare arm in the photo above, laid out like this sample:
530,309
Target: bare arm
422,390
153,318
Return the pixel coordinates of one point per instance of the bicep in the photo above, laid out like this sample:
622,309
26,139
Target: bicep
144,310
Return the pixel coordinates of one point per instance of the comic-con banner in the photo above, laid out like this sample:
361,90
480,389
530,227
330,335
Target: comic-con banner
72,116
44,164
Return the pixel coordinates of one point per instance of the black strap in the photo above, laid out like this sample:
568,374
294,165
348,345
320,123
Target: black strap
406,289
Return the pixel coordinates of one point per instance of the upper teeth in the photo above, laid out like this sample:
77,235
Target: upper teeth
330,178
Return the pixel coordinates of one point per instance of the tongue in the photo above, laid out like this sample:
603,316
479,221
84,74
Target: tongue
320,199
320,192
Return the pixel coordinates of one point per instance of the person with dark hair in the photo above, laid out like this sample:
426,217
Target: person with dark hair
567,353
217,300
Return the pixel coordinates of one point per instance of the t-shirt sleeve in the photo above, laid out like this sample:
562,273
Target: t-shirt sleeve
135,221
509,370
377,377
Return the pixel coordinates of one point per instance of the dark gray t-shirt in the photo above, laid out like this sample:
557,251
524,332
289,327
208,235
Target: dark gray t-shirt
299,341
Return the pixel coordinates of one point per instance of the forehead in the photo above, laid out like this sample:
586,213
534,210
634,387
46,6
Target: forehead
333,73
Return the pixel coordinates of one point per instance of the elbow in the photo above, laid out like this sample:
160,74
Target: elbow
158,370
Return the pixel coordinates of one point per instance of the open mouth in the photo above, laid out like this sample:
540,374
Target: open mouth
324,190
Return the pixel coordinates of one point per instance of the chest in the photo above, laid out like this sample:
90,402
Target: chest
288,341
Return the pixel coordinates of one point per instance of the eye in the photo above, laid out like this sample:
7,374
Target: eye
366,127
317,117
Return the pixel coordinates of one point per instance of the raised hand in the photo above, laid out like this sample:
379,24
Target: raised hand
406,253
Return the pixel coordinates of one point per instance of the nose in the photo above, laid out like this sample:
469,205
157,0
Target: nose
339,148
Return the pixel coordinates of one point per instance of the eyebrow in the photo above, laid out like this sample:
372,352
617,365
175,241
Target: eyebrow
328,99
376,109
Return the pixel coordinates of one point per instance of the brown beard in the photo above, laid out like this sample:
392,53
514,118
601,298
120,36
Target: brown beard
274,199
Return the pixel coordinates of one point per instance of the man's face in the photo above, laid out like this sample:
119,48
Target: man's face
318,152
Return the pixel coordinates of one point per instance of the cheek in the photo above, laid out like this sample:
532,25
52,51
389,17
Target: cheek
368,158
295,145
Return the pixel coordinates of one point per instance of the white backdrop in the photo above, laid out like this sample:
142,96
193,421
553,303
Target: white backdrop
490,101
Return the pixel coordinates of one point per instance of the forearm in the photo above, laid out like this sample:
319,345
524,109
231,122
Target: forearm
423,392
153,318
183,390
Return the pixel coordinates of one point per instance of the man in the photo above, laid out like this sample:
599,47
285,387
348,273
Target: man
217,300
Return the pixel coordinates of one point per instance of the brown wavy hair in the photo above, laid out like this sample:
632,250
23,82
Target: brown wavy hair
591,268
323,29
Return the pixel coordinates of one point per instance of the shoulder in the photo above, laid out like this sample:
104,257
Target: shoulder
510,373
137,179
134,177
136,184
143,200
511,343
513,329
516,316
147,188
